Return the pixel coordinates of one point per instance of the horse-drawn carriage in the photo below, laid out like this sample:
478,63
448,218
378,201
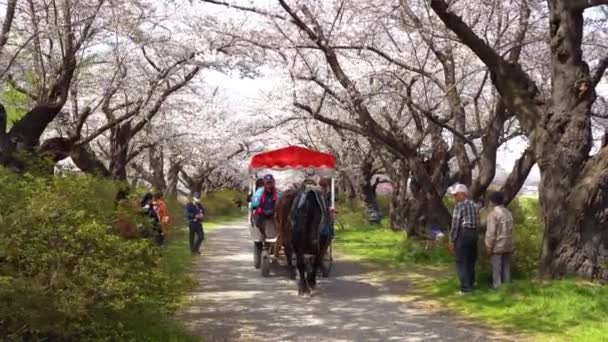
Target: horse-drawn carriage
275,246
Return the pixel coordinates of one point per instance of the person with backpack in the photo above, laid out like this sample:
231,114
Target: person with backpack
147,207
163,214
194,214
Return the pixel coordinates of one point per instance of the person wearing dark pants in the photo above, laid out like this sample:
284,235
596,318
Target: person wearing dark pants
194,214
499,240
464,235
466,257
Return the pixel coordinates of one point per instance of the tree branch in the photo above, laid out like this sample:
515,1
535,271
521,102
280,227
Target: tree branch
8,23
516,87
581,5
246,9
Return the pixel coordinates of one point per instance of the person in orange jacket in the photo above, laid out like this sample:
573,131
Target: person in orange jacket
163,213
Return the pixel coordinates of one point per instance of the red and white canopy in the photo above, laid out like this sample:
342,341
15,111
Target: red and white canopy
293,157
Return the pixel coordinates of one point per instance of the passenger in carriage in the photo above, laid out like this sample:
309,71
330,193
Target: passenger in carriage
263,202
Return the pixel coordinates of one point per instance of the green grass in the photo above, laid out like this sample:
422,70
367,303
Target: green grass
218,221
560,310
151,325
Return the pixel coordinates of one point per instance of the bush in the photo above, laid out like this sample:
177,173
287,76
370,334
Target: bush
352,212
424,252
528,235
64,272
223,203
384,204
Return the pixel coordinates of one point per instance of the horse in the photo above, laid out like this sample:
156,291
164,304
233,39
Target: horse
299,215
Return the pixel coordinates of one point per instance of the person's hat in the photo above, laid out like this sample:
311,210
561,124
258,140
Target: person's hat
459,188
268,178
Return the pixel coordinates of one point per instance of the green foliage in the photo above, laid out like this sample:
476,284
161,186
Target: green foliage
527,235
223,204
64,271
384,204
378,243
352,212
424,252
15,103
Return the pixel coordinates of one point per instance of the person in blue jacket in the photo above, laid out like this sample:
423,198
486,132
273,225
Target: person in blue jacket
263,203
194,214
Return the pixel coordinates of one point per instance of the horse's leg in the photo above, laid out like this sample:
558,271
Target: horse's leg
303,288
289,255
312,277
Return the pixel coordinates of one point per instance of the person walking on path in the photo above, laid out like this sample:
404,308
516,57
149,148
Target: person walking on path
464,236
499,239
163,214
194,214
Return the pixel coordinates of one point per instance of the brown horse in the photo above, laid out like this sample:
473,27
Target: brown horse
282,224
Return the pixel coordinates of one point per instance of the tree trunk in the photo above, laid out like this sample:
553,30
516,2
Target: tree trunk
121,136
157,167
86,160
172,179
425,203
399,201
196,187
5,145
573,187
368,191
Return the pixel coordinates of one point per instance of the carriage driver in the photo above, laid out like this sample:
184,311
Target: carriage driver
263,202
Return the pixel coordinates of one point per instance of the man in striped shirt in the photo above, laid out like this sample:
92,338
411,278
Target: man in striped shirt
463,237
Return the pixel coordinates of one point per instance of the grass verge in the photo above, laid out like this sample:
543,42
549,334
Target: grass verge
560,310
151,325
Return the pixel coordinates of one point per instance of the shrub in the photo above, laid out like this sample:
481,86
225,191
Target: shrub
528,235
423,252
64,272
352,212
223,203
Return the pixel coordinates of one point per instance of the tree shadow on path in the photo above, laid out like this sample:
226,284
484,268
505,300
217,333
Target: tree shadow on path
233,302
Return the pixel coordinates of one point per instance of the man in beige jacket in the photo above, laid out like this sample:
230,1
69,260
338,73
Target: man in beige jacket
499,239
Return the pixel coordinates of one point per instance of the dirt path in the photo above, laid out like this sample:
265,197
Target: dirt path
235,303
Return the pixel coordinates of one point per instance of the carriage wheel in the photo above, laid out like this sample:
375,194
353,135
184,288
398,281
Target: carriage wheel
265,264
327,263
257,252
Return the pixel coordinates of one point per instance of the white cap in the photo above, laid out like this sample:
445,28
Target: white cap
458,188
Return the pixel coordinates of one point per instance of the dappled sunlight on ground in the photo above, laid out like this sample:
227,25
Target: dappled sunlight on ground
235,303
